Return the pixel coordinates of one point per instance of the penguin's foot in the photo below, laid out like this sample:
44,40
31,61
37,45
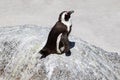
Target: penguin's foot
68,53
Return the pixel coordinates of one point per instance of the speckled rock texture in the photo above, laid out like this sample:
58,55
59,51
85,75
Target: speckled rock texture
20,60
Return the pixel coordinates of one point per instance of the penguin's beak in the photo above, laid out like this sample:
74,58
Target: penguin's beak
70,12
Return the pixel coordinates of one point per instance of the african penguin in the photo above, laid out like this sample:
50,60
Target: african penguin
58,41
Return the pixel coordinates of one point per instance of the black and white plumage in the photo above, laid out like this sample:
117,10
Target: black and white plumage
58,37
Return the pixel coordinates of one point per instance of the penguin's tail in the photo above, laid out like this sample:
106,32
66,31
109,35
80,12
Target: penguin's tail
44,53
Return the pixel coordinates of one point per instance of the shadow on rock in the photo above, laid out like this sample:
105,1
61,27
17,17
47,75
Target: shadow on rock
72,44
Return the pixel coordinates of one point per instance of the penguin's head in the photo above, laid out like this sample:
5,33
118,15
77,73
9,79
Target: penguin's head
65,16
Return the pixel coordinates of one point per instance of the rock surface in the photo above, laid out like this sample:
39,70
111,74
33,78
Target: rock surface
20,60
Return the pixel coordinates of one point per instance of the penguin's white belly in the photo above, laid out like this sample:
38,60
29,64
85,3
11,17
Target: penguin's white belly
59,50
58,43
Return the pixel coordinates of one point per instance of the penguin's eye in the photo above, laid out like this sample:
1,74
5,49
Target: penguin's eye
67,16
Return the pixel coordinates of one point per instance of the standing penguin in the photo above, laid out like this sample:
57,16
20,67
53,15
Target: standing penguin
58,37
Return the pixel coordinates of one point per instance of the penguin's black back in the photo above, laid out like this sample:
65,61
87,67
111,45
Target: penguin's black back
50,46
